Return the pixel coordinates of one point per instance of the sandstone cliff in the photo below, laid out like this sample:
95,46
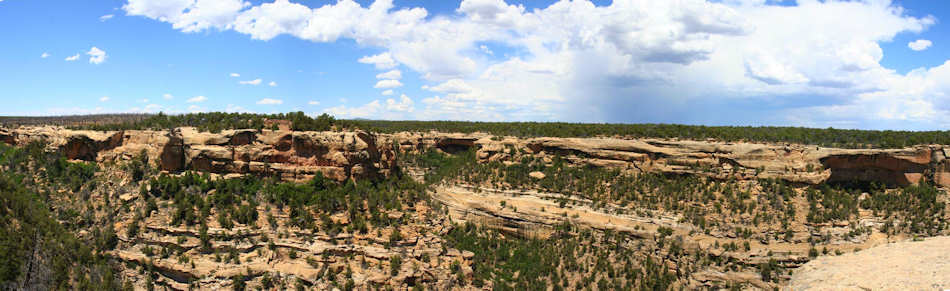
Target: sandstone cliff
297,156
293,156
722,160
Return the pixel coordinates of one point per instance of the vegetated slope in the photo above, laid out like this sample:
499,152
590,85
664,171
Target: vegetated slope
194,231
463,212
716,232
38,251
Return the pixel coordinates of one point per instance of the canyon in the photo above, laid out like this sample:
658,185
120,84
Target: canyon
297,156
304,255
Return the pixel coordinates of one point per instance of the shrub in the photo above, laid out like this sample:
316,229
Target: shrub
395,262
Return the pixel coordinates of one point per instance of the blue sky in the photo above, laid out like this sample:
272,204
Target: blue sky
827,63
903,59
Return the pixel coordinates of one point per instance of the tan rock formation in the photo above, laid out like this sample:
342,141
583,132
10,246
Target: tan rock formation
536,175
300,155
908,265
293,156
721,160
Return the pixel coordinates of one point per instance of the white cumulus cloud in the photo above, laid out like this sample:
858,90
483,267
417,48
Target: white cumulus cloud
313,102
72,58
196,99
188,15
270,101
392,74
44,55
103,98
272,84
234,108
254,82
96,55
403,104
632,60
919,45
153,108
387,84
381,61
401,108
106,17
234,75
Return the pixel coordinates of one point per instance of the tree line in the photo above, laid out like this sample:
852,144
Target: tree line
827,137
218,121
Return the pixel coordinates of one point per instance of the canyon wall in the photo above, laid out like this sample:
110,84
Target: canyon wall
297,156
291,155
721,160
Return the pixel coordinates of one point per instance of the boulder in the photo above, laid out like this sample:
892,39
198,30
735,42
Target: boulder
536,175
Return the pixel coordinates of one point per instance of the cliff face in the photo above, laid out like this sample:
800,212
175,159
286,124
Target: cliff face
297,156
721,160
293,156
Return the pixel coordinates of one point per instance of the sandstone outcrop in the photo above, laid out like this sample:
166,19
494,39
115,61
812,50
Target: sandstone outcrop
722,160
290,155
908,265
297,156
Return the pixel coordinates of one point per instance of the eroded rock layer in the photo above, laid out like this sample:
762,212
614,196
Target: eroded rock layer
293,156
297,156
722,160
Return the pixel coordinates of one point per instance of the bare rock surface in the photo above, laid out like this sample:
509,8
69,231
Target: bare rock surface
795,163
906,265
297,156
290,155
